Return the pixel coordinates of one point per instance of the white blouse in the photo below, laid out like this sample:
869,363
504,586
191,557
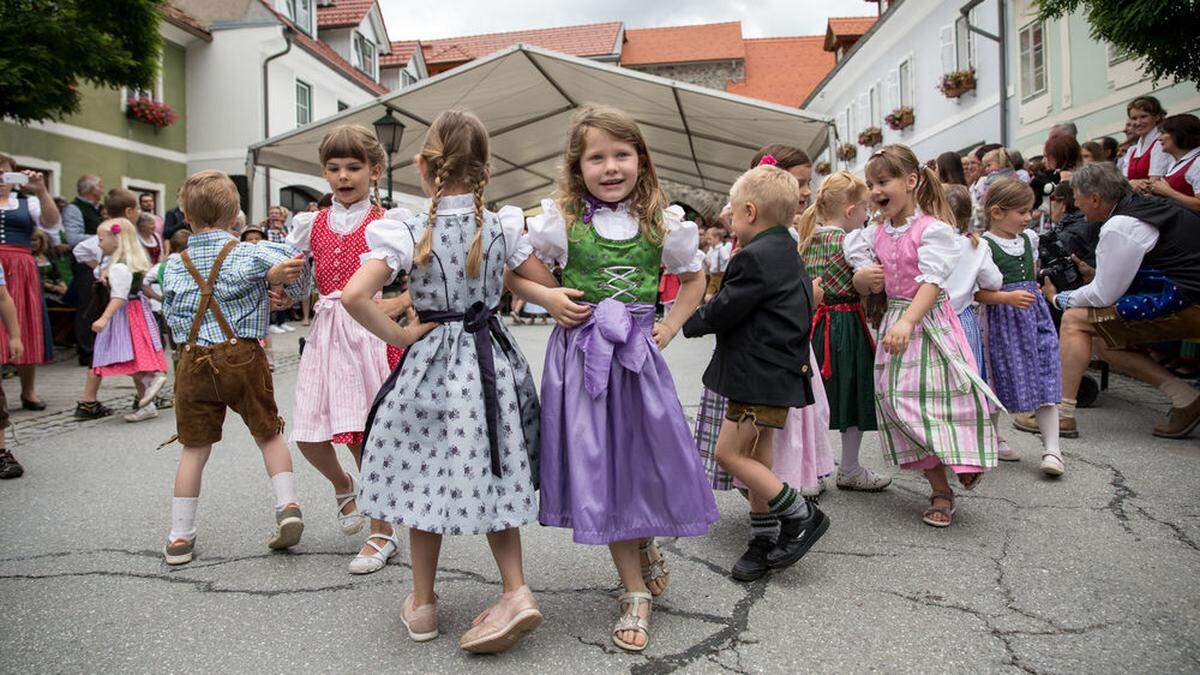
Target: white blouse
392,241
975,271
88,250
1016,245
681,252
937,253
342,219
1124,242
1193,173
120,280
1160,161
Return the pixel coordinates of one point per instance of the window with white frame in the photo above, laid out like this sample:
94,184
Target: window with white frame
876,112
300,12
303,103
904,86
364,57
851,130
1116,54
964,44
155,93
1033,60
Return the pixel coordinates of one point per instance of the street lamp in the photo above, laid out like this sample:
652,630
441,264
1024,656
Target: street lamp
389,131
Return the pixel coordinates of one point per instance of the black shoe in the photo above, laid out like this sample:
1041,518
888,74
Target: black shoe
796,536
93,410
753,563
32,405
9,466
136,399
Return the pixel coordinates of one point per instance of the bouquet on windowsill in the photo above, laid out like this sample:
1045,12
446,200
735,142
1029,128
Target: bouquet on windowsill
900,118
823,168
847,152
154,113
957,83
870,137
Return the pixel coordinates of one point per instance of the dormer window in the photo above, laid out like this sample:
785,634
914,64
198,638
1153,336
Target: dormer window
365,58
300,12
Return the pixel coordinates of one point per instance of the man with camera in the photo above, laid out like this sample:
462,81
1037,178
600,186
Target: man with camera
1140,234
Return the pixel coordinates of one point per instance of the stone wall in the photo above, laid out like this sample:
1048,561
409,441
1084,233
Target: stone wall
707,203
711,74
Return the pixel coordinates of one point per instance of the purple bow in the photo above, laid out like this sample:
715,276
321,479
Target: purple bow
590,204
613,329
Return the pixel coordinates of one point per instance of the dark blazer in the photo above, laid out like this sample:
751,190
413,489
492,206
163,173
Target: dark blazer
174,222
762,316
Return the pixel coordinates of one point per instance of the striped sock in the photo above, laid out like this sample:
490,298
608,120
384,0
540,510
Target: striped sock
788,505
764,525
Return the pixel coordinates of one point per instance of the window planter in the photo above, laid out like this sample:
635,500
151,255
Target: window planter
154,113
823,168
957,83
847,152
870,137
900,118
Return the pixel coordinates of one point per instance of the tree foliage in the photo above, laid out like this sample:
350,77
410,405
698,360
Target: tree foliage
47,47
1160,32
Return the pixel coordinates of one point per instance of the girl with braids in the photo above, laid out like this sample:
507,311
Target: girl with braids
618,465
452,440
342,365
933,409
841,338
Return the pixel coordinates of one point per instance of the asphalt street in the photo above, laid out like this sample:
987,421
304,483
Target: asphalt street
1095,572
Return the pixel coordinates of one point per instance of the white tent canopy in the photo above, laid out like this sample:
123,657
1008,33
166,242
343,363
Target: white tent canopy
525,95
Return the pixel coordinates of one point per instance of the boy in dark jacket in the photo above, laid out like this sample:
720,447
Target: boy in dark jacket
762,316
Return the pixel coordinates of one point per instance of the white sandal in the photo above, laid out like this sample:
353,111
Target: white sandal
631,620
351,522
366,564
656,568
1052,465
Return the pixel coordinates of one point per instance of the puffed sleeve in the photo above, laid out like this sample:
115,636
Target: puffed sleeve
391,241
516,244
301,231
681,247
1033,240
938,253
548,234
120,280
990,278
859,247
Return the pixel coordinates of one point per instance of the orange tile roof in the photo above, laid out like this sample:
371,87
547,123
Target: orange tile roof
402,51
597,39
846,28
783,70
342,13
683,44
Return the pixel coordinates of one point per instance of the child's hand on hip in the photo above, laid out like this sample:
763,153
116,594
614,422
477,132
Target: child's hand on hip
562,307
406,336
897,337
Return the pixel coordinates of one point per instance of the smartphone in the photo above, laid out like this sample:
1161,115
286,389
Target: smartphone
15,178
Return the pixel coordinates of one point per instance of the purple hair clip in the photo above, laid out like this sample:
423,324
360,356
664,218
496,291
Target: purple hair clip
768,159
590,204
116,228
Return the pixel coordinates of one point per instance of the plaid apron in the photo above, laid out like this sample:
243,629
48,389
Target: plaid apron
708,426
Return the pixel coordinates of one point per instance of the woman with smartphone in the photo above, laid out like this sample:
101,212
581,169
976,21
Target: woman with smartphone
19,217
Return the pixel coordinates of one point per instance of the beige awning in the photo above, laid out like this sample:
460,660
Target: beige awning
699,137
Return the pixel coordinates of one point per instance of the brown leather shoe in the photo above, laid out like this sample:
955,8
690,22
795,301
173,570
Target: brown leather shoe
1026,422
1180,422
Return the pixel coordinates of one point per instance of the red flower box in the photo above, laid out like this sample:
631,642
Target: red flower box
154,113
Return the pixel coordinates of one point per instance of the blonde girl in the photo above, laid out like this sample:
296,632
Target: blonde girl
933,408
841,339
127,336
451,443
343,364
618,463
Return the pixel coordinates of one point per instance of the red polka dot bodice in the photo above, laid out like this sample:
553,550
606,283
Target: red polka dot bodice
336,256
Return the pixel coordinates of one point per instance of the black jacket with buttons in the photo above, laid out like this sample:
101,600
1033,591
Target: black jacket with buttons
762,317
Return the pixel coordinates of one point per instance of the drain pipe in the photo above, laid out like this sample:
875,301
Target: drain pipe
266,89
1002,41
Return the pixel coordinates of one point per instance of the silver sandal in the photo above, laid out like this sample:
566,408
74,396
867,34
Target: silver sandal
351,522
653,570
630,620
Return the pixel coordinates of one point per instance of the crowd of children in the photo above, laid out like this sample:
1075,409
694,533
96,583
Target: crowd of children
825,319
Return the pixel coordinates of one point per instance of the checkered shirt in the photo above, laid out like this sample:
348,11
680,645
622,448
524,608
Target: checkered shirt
825,258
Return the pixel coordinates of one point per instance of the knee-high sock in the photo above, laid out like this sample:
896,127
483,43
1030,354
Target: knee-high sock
183,518
283,485
1047,421
851,442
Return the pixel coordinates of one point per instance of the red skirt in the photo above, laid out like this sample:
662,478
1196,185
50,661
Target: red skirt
25,287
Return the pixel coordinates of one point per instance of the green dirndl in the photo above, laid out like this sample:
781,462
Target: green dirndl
846,353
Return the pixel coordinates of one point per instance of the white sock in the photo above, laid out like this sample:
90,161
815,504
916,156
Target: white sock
1181,393
1047,421
851,442
283,484
183,518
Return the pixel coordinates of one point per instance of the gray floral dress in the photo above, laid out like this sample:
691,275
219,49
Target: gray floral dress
431,460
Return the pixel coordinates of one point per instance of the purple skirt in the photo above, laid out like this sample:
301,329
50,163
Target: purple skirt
617,457
114,344
1023,351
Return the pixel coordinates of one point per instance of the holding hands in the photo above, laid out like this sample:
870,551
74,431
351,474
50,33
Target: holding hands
287,271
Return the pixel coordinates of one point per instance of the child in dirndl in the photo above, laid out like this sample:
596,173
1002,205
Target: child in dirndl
933,408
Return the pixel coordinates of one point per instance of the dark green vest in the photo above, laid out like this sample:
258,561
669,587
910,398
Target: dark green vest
91,215
625,270
1015,268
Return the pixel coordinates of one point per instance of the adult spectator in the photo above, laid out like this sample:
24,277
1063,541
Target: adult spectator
972,167
276,230
1145,157
1110,146
1181,140
174,221
1063,129
146,202
20,217
1077,234
1138,231
80,220
313,206
1062,155
157,249
949,168
1091,152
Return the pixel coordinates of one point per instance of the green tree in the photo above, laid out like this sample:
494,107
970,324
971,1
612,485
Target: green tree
48,46
1161,32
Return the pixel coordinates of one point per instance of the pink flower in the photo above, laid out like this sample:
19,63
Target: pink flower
768,159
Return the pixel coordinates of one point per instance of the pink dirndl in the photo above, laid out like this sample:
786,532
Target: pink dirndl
129,344
343,365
